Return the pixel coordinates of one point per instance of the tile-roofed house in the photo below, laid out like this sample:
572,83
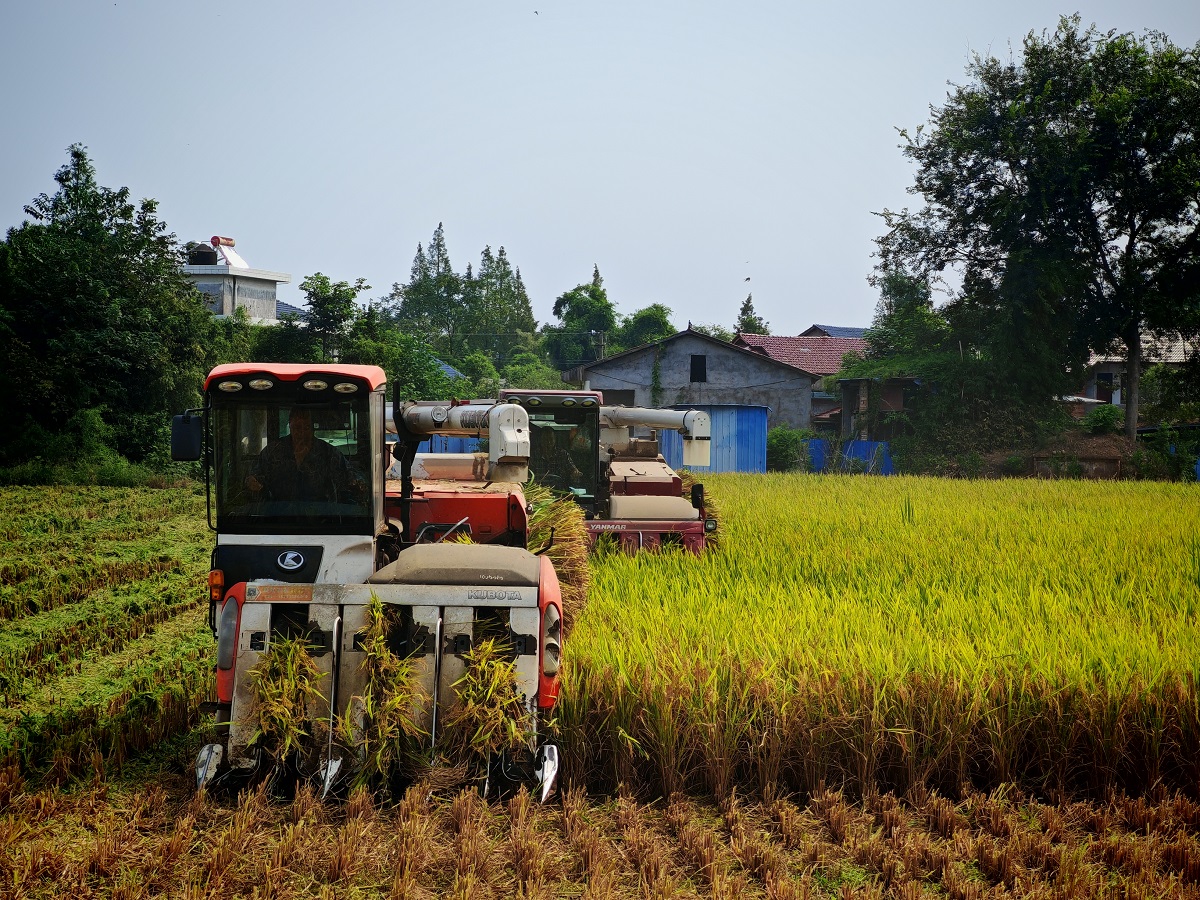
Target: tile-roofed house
448,370
693,368
818,353
839,331
1105,370
286,309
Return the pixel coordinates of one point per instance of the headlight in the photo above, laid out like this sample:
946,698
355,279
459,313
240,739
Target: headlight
710,525
551,640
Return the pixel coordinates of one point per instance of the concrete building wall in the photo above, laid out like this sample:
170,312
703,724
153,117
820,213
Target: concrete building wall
731,376
256,296
227,291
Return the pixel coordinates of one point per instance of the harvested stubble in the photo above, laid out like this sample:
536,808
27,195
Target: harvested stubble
109,652
885,633
127,840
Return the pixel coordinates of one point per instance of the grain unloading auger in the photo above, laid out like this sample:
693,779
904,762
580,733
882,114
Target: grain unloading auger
307,533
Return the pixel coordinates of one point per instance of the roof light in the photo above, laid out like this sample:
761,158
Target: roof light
262,384
568,401
534,401
230,387
345,387
588,401
315,384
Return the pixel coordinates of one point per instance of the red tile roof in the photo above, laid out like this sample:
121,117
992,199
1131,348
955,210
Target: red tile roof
819,355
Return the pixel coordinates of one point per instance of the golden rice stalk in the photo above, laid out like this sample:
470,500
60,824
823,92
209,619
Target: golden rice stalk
562,517
489,713
388,742
285,686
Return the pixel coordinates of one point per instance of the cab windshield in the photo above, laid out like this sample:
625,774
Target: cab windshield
292,468
563,451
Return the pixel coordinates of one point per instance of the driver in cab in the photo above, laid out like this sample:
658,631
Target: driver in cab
552,461
301,466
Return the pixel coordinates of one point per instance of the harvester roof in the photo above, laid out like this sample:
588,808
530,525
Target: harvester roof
373,375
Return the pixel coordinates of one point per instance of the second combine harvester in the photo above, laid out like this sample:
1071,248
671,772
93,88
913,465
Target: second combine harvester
584,448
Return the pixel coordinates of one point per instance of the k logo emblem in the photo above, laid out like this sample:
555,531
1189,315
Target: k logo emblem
290,560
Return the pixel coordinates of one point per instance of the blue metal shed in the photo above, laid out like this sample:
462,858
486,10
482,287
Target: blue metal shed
444,443
739,439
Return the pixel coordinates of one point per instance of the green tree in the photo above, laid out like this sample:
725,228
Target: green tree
749,322
498,316
956,399
587,320
414,373
907,335
289,341
528,370
232,338
432,303
720,332
653,323
480,373
96,313
1062,189
331,309
1173,392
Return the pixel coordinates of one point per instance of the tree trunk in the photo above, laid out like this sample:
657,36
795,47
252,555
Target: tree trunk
1133,372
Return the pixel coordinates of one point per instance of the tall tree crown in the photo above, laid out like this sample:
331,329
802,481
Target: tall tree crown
1061,189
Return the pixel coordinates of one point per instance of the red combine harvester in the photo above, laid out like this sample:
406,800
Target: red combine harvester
580,446
307,530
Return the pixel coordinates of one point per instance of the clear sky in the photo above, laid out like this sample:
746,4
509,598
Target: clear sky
684,147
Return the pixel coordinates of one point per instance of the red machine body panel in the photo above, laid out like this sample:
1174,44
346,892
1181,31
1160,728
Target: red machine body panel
633,535
492,513
646,477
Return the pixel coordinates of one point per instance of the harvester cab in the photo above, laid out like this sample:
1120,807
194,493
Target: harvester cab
627,490
309,536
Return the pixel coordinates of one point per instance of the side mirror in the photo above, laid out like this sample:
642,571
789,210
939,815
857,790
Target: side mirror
698,496
187,437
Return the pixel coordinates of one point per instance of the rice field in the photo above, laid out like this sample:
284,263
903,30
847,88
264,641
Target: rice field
873,688
879,633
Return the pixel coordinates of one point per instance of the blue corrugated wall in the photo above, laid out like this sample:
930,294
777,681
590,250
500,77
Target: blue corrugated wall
443,443
873,457
739,439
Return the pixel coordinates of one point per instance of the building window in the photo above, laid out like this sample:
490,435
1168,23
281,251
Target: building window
699,367
618,398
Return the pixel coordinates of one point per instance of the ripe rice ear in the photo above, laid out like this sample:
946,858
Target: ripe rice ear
488,714
285,688
388,743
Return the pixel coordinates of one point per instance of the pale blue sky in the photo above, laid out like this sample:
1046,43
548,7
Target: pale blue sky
682,146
